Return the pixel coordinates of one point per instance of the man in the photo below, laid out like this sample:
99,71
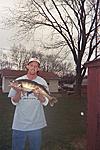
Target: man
29,117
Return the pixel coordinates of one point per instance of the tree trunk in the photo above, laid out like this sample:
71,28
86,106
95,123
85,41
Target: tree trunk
78,80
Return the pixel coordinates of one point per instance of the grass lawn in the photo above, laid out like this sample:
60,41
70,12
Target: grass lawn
66,128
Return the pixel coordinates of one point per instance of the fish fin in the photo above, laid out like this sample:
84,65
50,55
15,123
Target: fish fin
29,92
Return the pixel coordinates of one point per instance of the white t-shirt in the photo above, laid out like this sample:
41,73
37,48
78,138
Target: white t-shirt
29,114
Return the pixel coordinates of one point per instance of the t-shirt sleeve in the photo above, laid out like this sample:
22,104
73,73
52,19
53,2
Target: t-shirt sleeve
46,86
46,99
46,102
12,92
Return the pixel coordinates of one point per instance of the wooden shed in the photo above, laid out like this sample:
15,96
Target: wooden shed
93,112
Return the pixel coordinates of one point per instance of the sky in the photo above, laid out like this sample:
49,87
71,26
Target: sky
6,41
5,35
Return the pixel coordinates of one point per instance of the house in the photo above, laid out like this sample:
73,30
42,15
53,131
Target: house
66,83
7,75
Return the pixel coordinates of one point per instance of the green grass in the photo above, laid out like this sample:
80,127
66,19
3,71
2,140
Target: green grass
66,128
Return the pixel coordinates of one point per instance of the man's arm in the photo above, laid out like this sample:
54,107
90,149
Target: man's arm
44,100
17,97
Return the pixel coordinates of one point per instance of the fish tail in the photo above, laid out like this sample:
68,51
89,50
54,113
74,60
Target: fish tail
52,101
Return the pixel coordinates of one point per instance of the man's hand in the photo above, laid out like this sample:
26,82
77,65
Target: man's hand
18,90
40,97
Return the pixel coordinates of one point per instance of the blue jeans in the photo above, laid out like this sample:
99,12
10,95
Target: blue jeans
19,139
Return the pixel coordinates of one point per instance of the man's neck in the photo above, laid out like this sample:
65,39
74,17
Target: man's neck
31,77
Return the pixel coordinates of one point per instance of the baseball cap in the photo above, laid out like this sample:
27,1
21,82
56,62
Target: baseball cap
34,59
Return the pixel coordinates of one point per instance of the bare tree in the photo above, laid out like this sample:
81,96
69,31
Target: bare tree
74,20
19,56
56,64
4,62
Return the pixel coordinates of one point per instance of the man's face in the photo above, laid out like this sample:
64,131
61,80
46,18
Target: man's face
33,67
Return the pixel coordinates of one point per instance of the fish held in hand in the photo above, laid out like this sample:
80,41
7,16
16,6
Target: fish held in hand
32,86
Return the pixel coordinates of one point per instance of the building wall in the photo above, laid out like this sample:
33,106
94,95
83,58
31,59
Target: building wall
53,85
5,84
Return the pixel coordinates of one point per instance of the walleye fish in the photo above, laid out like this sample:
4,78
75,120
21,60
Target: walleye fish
32,86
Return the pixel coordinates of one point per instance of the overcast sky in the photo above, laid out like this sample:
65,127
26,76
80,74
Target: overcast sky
5,41
5,35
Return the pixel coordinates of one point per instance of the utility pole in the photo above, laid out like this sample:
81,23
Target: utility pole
96,36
